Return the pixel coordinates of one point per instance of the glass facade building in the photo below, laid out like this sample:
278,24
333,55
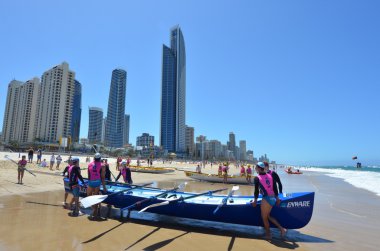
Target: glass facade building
173,94
95,125
77,112
116,109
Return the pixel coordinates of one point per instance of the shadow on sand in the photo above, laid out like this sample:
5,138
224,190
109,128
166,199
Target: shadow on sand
203,227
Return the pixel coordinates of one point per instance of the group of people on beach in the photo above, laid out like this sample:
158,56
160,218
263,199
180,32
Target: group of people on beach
98,174
267,182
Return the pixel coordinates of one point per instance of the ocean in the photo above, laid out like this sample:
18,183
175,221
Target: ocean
367,177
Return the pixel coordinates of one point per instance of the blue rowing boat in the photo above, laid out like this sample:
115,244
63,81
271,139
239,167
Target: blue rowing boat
294,212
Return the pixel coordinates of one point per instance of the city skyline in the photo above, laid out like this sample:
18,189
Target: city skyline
298,80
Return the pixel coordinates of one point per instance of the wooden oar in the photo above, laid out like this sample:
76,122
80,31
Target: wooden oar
8,158
225,200
167,202
153,197
95,199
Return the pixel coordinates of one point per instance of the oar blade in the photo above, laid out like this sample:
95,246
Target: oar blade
92,200
155,205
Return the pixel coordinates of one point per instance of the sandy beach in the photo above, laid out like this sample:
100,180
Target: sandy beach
32,217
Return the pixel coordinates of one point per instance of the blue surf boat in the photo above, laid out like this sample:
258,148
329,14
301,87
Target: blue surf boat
294,212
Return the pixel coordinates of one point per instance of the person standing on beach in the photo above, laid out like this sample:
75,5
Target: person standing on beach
21,168
249,174
52,161
198,169
265,185
125,171
74,175
242,171
118,161
96,177
225,172
66,173
39,156
59,160
276,178
30,155
107,175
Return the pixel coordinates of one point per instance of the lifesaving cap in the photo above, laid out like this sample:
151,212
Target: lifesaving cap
261,164
75,159
124,161
97,156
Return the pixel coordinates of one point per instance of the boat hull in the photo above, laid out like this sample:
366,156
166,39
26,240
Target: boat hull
294,212
231,179
159,170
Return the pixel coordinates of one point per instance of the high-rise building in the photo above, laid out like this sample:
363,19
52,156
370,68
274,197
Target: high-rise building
104,130
126,129
232,144
55,103
77,112
95,125
173,94
190,145
20,111
116,109
243,150
145,140
216,149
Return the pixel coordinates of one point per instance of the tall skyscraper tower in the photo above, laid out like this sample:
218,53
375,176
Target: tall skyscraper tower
126,129
116,109
232,144
77,112
55,104
173,94
190,145
20,111
95,125
243,150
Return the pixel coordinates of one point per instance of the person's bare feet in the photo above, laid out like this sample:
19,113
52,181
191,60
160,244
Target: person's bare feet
283,233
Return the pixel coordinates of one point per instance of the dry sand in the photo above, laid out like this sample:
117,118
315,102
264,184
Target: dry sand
32,217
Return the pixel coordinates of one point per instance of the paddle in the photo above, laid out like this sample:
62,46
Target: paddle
167,202
153,197
95,199
8,158
224,201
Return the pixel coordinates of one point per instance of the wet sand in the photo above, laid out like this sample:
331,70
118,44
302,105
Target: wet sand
32,218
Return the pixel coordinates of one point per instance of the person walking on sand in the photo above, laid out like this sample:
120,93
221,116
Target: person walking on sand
74,175
265,185
276,178
52,161
96,177
21,168
59,160
30,155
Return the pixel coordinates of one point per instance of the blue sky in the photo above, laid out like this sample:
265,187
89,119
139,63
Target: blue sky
299,80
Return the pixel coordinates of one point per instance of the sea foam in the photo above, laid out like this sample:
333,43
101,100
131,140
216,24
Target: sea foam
358,178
